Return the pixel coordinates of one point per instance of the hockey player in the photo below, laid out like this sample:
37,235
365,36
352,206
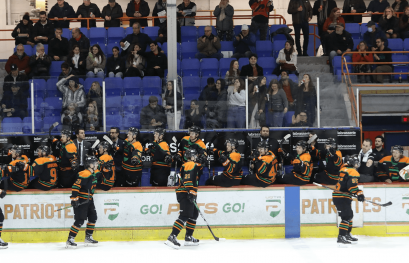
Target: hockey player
347,185
161,159
186,195
45,168
330,161
3,244
132,162
67,159
106,173
389,166
83,190
231,160
302,166
18,171
263,167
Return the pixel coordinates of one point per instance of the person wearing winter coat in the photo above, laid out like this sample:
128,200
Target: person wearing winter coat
72,91
138,8
160,6
88,10
96,62
19,58
80,40
61,10
58,48
389,23
43,30
287,59
153,116
115,64
372,34
322,9
361,56
224,20
244,43
376,9
77,61
110,13
399,5
14,103
23,32
354,6
404,24
40,62
186,13
208,45
340,41
169,106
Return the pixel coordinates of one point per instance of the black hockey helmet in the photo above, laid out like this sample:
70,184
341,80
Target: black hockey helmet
18,149
160,131
332,142
398,148
303,144
233,142
90,160
195,129
190,153
134,130
263,144
106,146
44,148
352,160
66,132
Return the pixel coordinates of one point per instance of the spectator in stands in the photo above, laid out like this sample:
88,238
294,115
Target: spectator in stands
43,30
306,99
301,12
23,32
377,7
215,109
244,43
61,10
14,77
160,7
95,94
287,59
236,101
156,62
110,13
372,34
135,63
91,120
153,115
380,43
58,47
193,115
40,62
301,120
339,42
88,10
404,23
72,93
353,6
389,23
379,152
362,56
252,70
96,62
80,40
329,28
71,118
208,92
260,10
66,71
142,39
138,8
208,45
169,105
232,73
77,61
21,59
290,89
224,20
322,9
116,64
257,102
14,103
366,158
186,13
163,33
277,104
399,5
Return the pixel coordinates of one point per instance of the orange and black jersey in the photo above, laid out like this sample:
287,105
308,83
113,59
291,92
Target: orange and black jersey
132,151
107,175
330,164
45,168
159,152
185,144
388,168
232,166
86,181
21,178
68,154
265,168
190,176
302,167
347,183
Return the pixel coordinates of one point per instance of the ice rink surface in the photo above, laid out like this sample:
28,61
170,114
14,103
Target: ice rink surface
311,250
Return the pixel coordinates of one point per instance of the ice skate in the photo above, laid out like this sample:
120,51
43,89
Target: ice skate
70,243
172,242
90,241
3,245
343,242
191,241
351,238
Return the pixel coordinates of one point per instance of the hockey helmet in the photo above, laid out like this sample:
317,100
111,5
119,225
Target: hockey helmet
45,149
106,146
332,142
263,144
134,130
303,144
17,148
195,129
160,131
190,153
66,132
90,160
352,160
398,148
233,142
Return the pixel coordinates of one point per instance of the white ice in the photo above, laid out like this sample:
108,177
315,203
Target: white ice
311,250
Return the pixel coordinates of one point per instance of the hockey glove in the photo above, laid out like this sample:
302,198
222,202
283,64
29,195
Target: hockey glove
20,166
361,197
2,193
75,202
178,158
148,151
254,155
310,148
331,151
202,159
75,165
135,160
191,197
168,159
223,160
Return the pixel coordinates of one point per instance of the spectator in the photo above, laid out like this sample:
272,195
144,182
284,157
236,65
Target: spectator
186,13
193,115
135,63
77,61
260,10
21,59
215,109
257,103
43,30
306,99
23,32
40,62
208,45
58,47
160,7
224,20
354,6
301,120
143,40
404,24
301,12
72,93
110,13
236,101
14,103
252,70
376,7
385,57
244,43
372,34
91,119
71,118
287,59
80,40
95,94
96,62
88,10
116,64
339,42
322,9
138,8
15,77
232,73
329,27
399,5
379,152
61,10
208,93
163,33
367,161
156,61
153,115
66,71
277,105
169,105
389,23
290,89
362,56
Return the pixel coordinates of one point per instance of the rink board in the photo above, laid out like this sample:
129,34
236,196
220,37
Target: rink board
235,213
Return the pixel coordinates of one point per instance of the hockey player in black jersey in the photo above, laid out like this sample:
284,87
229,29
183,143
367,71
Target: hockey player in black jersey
66,151
2,243
45,168
330,161
106,173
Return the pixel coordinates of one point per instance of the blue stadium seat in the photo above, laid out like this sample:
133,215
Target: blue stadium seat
395,44
288,118
164,47
227,46
209,67
190,67
280,37
128,31
132,83
203,82
264,48
191,83
97,35
354,29
269,78
188,50
115,35
406,44
237,30
151,31
293,77
66,32
40,94
151,86
28,49
39,84
114,102
132,104
38,123
55,68
113,86
277,46
52,103
52,90
131,120
37,104
12,124
336,64
114,121
85,31
45,49
224,65
189,34
274,28
109,49
200,31
88,82
400,67
132,92
268,64
243,62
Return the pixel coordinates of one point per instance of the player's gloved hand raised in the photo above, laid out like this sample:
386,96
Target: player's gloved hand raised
135,160
223,159
2,193
75,202
20,166
191,197
178,158
361,197
202,159
168,159
75,165
331,151
58,145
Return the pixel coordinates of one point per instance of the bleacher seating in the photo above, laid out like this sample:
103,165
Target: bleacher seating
115,35
190,67
151,31
209,67
264,48
188,50
189,34
97,35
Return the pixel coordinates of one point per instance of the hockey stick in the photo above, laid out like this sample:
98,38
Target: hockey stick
282,159
67,207
312,139
200,212
55,124
95,144
333,189
176,162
